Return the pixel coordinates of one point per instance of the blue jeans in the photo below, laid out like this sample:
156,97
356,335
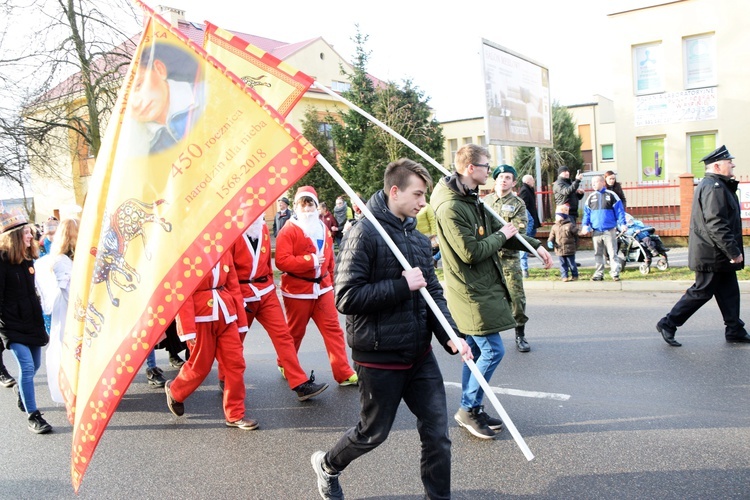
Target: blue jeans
568,265
151,359
530,231
29,359
488,350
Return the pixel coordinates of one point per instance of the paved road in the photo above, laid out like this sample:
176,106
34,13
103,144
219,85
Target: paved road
609,410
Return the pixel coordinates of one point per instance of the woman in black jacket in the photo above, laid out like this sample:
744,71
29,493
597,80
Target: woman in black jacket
21,324
611,179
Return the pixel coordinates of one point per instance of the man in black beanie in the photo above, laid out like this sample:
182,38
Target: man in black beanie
568,192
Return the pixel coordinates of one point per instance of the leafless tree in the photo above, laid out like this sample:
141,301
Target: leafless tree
60,66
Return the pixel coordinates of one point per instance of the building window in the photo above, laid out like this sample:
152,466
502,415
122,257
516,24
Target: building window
652,162
700,145
608,152
648,68
325,129
482,140
466,140
453,143
699,61
340,86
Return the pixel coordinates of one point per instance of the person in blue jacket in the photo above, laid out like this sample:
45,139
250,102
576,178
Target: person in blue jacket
603,214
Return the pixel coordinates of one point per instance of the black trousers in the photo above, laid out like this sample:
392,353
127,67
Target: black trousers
723,286
380,393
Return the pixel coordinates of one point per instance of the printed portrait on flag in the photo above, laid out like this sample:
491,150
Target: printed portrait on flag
168,97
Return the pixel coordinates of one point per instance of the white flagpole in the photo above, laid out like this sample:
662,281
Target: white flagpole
419,152
433,306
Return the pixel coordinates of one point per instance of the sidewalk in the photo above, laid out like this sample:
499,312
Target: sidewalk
678,257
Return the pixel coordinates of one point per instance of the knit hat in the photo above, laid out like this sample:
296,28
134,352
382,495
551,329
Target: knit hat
285,200
504,169
12,219
561,169
306,191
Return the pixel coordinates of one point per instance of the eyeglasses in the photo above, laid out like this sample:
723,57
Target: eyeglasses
485,165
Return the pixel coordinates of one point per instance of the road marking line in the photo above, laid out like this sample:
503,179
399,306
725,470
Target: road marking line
518,392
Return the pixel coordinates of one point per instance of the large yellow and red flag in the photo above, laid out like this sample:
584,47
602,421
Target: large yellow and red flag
190,158
278,83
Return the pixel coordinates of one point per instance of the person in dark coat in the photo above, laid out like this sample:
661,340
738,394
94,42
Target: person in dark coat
568,192
21,325
389,327
528,195
282,216
715,251
610,179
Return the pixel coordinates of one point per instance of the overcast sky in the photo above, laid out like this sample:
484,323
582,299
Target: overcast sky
436,44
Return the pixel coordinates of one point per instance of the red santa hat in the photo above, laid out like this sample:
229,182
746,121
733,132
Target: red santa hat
306,191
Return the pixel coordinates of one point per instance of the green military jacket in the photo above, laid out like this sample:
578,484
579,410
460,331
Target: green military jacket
513,210
469,243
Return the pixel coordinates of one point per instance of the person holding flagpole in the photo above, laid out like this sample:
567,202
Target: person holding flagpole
390,328
476,291
304,253
252,259
210,321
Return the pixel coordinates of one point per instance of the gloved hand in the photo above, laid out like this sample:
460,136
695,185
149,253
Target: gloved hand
550,245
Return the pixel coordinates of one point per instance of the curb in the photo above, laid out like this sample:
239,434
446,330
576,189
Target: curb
618,286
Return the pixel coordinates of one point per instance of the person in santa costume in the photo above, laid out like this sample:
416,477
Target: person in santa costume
210,321
304,253
252,260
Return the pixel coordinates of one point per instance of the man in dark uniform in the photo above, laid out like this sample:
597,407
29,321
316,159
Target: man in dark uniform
715,251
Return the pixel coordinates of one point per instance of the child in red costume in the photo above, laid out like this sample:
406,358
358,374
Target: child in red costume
210,321
252,259
304,252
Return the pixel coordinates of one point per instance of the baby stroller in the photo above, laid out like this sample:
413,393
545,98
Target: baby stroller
640,243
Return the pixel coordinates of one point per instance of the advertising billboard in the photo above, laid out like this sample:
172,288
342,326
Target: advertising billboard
518,110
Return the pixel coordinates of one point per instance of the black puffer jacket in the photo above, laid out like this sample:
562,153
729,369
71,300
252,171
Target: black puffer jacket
385,322
715,226
20,310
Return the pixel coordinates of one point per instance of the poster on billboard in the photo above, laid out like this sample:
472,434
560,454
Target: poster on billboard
518,110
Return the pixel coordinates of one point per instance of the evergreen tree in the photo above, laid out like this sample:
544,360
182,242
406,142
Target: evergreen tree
363,148
314,131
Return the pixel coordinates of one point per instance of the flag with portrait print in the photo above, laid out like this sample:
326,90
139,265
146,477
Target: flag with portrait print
190,158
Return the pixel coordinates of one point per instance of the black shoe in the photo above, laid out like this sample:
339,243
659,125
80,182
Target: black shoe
21,406
328,484
597,278
155,377
5,379
473,422
177,408
493,423
668,336
738,338
522,345
37,424
176,361
309,389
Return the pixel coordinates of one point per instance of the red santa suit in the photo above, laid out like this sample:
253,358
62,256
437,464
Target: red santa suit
253,264
307,288
210,321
